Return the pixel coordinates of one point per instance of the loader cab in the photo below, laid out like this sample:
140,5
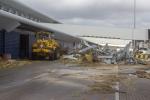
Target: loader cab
43,35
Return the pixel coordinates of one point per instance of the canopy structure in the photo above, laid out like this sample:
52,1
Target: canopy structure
18,8
11,21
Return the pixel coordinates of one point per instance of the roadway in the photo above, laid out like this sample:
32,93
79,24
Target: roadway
56,81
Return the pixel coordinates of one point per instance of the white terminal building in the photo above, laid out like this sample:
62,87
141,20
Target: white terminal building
18,24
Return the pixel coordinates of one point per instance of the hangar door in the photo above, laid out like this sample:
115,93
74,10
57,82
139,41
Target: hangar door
24,45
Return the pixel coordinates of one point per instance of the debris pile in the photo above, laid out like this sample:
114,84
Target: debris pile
95,53
143,74
12,63
89,52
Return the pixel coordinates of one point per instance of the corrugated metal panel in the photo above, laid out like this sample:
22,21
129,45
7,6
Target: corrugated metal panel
12,44
31,41
1,43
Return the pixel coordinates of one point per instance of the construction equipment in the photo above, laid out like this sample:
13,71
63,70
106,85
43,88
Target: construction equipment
45,47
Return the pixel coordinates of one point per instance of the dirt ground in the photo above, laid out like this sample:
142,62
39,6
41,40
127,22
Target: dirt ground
13,63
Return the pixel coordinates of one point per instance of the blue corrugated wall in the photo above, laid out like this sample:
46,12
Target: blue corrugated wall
1,43
31,41
12,44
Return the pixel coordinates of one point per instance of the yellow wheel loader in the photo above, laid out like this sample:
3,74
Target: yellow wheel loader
45,47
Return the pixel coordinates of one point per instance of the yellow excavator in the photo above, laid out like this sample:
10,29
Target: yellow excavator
45,47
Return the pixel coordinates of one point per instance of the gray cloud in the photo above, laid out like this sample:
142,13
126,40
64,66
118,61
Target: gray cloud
109,13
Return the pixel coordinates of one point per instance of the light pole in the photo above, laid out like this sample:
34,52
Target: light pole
134,14
134,23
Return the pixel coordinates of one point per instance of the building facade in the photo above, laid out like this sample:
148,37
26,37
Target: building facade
18,25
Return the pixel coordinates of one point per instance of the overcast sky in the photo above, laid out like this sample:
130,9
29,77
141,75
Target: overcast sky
107,13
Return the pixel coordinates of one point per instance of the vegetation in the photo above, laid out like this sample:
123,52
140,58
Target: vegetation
12,63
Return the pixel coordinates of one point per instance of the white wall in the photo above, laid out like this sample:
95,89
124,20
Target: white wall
110,42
